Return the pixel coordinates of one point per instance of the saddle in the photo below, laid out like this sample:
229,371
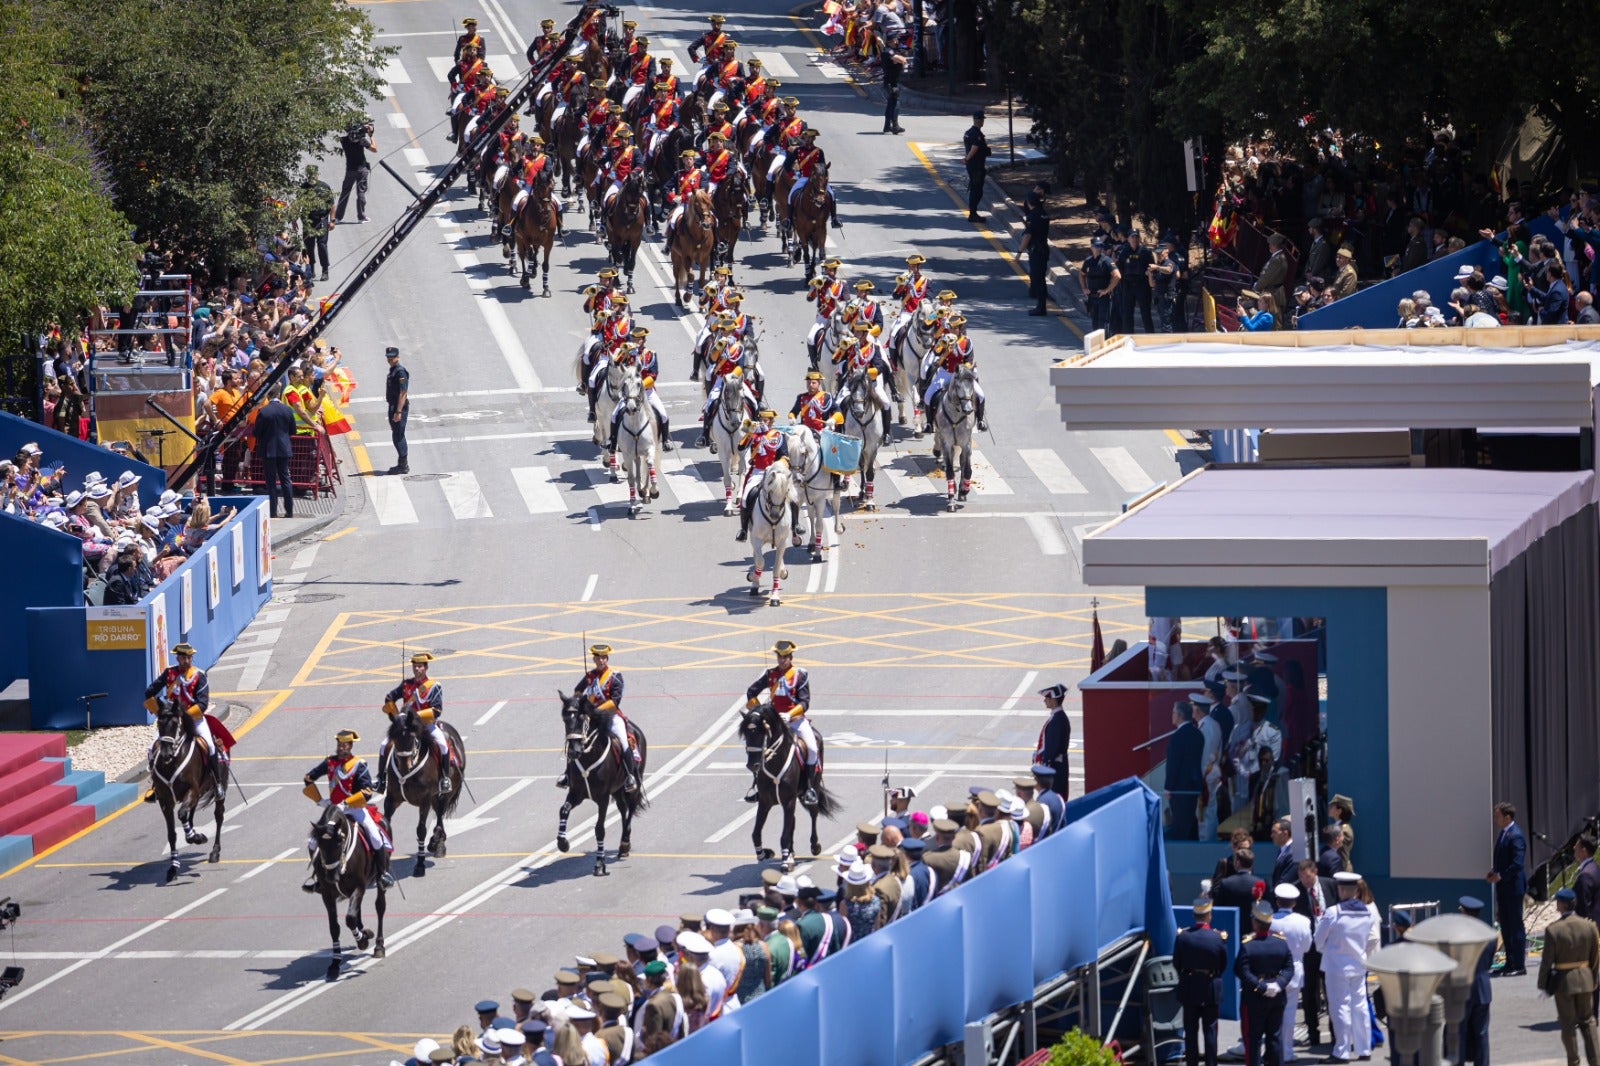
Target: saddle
619,752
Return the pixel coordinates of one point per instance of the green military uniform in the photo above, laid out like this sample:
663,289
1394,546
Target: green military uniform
1567,972
617,1037
885,886
993,839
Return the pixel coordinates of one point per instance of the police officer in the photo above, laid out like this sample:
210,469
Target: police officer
395,390
1099,277
1265,969
1055,739
975,156
1200,957
1036,243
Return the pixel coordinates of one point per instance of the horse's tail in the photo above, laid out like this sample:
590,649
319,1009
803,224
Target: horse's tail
454,796
827,804
639,800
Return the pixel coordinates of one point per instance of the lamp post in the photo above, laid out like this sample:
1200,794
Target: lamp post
1408,975
1462,938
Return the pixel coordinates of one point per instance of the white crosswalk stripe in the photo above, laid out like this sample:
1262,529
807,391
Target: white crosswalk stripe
394,73
609,492
776,65
464,495
684,479
1124,468
538,490
986,480
391,502
1051,471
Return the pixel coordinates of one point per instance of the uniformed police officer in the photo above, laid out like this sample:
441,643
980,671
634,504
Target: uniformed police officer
1265,968
1200,957
1475,1026
1055,739
395,389
1036,243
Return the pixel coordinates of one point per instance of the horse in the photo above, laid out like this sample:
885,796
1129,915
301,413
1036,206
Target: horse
637,443
810,221
731,206
693,242
625,219
863,417
343,869
590,176
692,111
825,337
595,772
534,230
609,389
564,146
952,427
663,166
907,348
415,777
773,755
724,424
770,522
813,483
183,777
758,157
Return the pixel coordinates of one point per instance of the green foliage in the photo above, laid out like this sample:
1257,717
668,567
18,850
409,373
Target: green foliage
63,244
204,111
1077,1048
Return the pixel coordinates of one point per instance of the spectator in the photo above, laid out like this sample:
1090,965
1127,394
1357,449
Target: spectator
1416,250
1319,256
1344,282
1587,315
1273,280
1549,291
1468,313
1329,861
1256,312
1406,311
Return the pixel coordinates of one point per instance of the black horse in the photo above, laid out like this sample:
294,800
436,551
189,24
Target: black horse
414,776
595,771
343,867
776,760
183,777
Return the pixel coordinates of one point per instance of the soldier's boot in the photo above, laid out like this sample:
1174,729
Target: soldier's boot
309,885
562,781
630,760
382,784
664,429
745,507
808,785
616,427
385,878
888,419
704,438
983,420
833,212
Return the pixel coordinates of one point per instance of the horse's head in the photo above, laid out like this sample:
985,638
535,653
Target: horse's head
632,391
861,400
404,732
577,719
753,731
633,187
778,484
701,201
819,180
328,835
172,725
963,390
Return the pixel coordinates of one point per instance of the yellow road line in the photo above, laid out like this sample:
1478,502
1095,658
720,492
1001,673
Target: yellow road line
214,1056
347,530
260,716
320,649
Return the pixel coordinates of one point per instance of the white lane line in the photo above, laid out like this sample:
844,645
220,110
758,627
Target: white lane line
684,479
273,616
466,260
588,589
833,558
504,24
601,483
1051,471
986,480
1124,469
732,827
420,33
399,121
394,72
776,65
510,344
464,495
305,557
1047,534
932,714
18,997
255,668
1021,691
556,434
539,493
263,867
594,519
491,712
260,795
479,815
674,771
392,502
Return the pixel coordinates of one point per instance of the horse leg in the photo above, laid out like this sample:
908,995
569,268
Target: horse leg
438,842
966,472
544,271
816,845
421,867
626,810
216,844
380,905
172,840
561,827
786,840
189,833
332,905
602,801
352,919
763,808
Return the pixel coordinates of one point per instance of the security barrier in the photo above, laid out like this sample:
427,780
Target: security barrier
312,466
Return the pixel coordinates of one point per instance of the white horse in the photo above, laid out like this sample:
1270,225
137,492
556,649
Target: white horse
725,423
824,337
770,521
952,426
864,403
909,343
812,485
637,443
605,381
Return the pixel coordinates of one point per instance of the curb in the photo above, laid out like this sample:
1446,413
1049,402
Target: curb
317,525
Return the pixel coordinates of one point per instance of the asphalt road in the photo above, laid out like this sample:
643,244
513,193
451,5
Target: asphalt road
504,550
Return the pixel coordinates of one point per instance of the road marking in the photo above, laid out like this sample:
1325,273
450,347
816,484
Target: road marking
477,817
441,66
538,492
392,503
776,65
490,713
609,492
267,865
515,391
303,560
588,589
684,479
464,495
510,344
1124,469
675,770
1051,471
1049,537
986,480
398,120
909,476
1021,691
594,519
977,769
732,827
833,557
17,997
466,260
393,72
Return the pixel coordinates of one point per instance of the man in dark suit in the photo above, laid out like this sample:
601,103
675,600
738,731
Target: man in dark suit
1317,896
1283,866
275,443
1416,253
1329,861
1510,880
1587,885
1474,1042
1238,888
1055,738
1185,777
1200,957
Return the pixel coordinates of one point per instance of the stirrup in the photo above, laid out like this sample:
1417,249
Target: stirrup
561,782
809,797
149,795
753,793
310,885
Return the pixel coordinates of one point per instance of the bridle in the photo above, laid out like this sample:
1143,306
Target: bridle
579,740
773,512
763,748
186,744
335,824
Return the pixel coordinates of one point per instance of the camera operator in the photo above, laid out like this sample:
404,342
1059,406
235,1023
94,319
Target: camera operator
11,976
355,144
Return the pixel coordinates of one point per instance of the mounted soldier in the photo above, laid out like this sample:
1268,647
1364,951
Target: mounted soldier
423,696
350,785
186,687
470,38
788,688
602,687
765,445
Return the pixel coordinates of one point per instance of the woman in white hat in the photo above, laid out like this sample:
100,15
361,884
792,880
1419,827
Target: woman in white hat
125,503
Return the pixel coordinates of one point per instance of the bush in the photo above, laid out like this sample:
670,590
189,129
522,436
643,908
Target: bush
1078,1048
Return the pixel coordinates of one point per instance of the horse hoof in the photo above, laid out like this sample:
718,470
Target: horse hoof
615,477
950,505
625,850
363,938
378,952
765,854
962,497
562,845
600,870
788,865
420,870
816,555
196,838
215,856
773,601
547,290
172,873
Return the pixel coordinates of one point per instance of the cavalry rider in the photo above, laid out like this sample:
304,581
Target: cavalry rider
593,28
603,688
789,688
911,289
708,42
826,291
723,365
638,72
350,784
660,118
713,303
755,84
860,353
947,356
535,163
629,43
737,328
613,331
469,39
688,180
469,61
664,76
784,136
726,70
720,161
595,119
766,446
424,697
804,162
186,687
718,126
868,309
540,47
625,159
814,408
629,355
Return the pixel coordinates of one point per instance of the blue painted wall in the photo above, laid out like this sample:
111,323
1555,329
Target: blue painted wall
1374,306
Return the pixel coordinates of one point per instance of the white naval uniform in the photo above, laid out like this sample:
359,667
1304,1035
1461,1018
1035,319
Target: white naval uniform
728,958
1341,935
1295,928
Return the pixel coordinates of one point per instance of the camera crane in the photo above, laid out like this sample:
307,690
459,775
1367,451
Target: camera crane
203,457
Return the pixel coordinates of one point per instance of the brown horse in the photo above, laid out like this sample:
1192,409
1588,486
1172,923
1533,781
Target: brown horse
595,772
416,777
810,221
343,868
625,219
692,112
564,141
731,204
693,242
534,230
184,776
590,176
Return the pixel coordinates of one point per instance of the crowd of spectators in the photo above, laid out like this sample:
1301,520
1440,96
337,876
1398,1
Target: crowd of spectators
662,986
868,27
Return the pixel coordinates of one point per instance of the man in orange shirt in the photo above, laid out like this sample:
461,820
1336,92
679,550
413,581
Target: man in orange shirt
224,402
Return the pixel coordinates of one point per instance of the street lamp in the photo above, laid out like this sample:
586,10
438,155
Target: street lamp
1408,975
1463,938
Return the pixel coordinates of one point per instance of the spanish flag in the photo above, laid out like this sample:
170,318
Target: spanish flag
333,419
342,383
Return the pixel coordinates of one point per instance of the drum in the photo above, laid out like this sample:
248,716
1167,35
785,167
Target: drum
841,454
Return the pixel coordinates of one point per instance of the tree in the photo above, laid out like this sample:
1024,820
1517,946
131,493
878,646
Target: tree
205,111
64,247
